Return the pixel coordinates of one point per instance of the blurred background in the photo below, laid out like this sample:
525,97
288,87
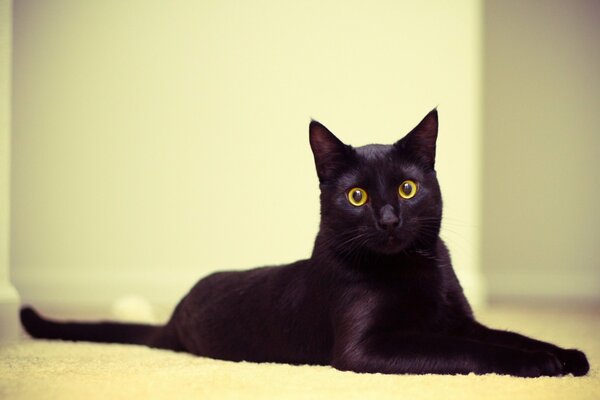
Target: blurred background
153,143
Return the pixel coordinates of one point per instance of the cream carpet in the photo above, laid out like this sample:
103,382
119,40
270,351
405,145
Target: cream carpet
61,370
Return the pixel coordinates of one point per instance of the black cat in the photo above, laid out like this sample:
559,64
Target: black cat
377,295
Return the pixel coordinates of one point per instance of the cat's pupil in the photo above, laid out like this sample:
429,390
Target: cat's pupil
357,196
406,188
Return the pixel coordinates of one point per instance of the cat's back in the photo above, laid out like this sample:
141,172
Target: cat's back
238,285
260,314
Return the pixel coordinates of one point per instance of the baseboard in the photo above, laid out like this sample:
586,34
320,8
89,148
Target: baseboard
551,287
9,313
93,293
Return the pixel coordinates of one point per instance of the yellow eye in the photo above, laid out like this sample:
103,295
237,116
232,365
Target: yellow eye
357,196
407,189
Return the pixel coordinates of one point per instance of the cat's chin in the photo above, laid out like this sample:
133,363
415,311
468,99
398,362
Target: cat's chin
389,247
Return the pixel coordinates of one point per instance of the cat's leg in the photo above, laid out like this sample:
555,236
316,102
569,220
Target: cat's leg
422,354
573,361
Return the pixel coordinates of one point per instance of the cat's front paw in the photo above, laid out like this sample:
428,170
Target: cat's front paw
539,363
574,362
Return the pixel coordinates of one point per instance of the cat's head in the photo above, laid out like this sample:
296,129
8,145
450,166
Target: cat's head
383,199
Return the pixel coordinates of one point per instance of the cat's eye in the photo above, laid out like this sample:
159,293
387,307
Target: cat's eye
408,189
357,196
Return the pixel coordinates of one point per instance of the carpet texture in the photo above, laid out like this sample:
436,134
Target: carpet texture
62,370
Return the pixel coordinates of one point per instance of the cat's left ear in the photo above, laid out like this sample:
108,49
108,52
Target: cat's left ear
420,142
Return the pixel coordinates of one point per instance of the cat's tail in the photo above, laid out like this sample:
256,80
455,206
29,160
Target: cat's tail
102,332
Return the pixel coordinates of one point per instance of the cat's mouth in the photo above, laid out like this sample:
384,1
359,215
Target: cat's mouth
389,244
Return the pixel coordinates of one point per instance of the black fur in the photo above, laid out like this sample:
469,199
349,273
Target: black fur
377,295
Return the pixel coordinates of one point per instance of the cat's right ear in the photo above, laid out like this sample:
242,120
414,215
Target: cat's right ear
331,155
420,142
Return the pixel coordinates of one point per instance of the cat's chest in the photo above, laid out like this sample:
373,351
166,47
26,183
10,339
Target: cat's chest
405,304
407,299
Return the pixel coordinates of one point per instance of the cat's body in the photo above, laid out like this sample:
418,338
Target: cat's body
303,305
377,295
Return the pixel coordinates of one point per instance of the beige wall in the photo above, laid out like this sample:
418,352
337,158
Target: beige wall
542,149
9,299
157,142
5,41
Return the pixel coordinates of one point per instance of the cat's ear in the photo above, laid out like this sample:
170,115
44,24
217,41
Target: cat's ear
420,142
331,155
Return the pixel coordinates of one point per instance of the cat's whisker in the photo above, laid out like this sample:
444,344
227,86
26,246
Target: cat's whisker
354,242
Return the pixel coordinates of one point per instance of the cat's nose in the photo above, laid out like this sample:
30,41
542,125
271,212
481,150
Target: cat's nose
388,219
